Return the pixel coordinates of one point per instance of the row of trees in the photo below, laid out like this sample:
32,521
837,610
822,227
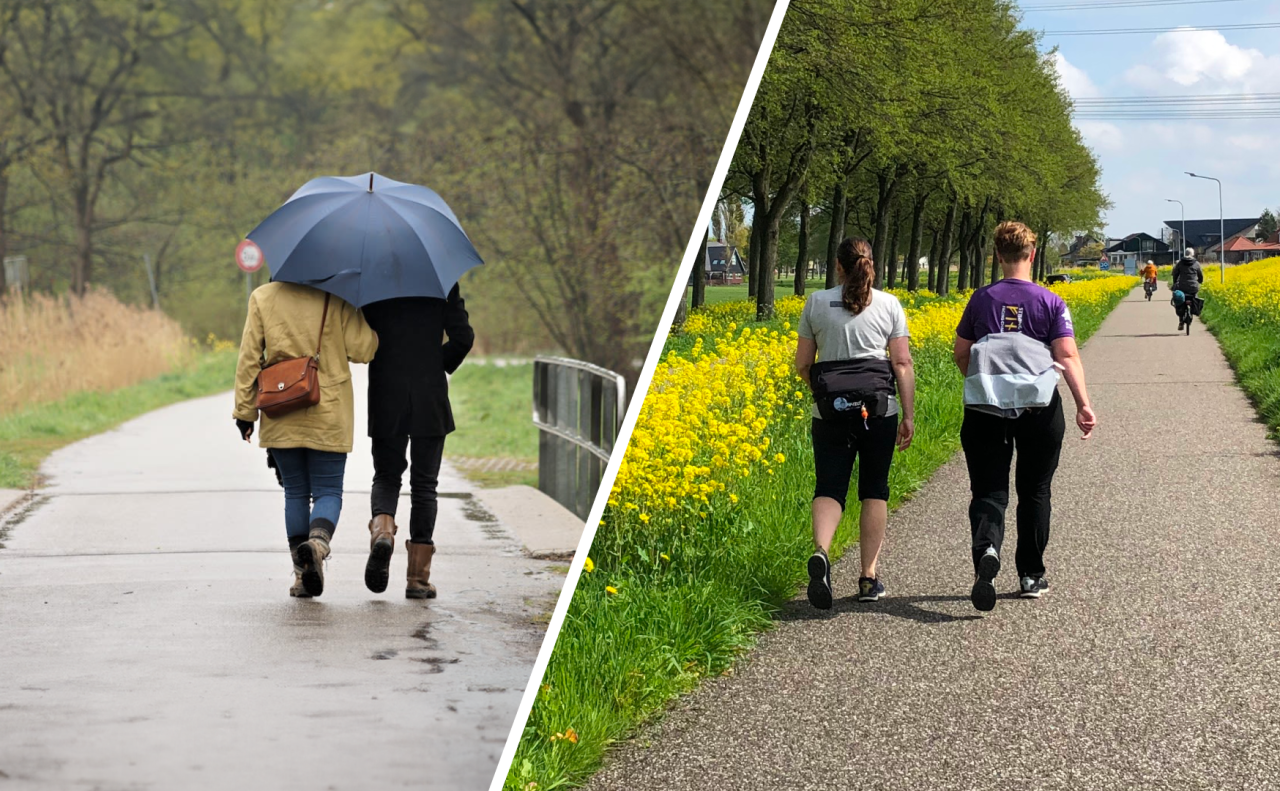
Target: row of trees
919,124
573,139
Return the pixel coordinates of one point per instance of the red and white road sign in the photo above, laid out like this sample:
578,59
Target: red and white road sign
249,256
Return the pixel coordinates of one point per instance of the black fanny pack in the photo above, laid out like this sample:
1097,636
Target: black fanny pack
852,389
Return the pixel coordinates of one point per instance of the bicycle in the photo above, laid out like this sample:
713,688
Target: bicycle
1190,307
1150,288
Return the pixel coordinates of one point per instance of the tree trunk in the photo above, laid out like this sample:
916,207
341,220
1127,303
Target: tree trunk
995,264
839,203
935,246
888,186
966,223
768,265
802,255
753,254
917,236
700,271
944,257
979,240
892,262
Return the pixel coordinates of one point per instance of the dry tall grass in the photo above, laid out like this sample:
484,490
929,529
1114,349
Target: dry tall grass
51,347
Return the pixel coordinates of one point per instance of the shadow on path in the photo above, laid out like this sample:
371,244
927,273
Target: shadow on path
908,607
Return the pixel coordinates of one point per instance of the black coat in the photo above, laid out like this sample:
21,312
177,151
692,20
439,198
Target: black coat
408,390
1187,276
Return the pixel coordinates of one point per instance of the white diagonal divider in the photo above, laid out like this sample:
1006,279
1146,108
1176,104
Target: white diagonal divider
692,252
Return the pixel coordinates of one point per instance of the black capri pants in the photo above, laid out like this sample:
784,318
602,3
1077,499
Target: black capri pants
838,443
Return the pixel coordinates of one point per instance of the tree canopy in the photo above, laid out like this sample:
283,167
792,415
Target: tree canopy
910,122
573,139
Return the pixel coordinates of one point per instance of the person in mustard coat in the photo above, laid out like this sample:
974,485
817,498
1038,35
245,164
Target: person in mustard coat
309,447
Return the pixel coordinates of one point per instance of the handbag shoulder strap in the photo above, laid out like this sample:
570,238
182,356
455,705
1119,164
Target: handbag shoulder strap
323,316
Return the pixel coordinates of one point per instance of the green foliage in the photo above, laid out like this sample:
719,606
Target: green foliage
1267,225
910,108
574,141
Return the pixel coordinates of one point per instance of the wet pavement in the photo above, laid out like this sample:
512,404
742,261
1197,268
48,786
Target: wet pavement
1153,662
149,641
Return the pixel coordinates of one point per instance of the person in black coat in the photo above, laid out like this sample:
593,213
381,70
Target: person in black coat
409,411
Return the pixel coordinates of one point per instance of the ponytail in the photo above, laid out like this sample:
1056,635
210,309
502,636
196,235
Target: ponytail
854,256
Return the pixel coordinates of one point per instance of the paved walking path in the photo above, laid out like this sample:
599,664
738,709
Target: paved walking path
1152,663
149,642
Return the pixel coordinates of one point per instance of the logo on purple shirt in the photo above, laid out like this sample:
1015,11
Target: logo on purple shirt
1016,306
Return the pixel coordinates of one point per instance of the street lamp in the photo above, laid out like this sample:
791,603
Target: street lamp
1184,223
1222,236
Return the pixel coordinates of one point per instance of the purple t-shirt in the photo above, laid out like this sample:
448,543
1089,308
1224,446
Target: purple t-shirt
1016,306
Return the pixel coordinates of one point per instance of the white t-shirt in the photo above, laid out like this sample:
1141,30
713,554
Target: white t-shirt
840,335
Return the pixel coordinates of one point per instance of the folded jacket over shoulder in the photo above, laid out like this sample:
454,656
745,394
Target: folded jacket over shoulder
1009,372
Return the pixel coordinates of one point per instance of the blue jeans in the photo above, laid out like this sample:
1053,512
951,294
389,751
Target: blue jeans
312,487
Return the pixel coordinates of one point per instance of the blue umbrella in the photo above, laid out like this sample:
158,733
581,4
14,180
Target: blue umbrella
366,238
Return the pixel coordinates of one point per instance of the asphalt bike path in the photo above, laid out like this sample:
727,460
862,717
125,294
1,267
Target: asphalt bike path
149,641
1152,662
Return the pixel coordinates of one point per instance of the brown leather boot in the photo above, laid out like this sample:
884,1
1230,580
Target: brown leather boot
296,590
311,554
382,541
418,586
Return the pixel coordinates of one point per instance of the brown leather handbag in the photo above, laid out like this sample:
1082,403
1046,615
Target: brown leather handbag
294,384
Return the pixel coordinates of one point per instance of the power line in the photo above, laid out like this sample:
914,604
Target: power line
1125,31
1078,6
1176,116
1191,100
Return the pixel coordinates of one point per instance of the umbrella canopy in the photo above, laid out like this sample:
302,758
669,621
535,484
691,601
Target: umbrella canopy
366,238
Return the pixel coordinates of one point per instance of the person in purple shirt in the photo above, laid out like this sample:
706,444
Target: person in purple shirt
1016,304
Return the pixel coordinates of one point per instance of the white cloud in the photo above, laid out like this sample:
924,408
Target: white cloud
1101,135
1205,59
1073,78
1252,142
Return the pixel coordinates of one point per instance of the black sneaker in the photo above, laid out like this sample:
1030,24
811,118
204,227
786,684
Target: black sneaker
870,589
1032,587
820,580
983,594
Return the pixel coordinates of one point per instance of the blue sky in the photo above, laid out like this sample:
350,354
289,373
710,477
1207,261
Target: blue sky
1143,161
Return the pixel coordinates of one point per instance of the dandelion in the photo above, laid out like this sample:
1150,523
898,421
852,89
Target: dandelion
588,566
609,589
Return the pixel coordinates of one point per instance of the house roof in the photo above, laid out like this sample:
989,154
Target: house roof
1118,247
1243,244
1202,232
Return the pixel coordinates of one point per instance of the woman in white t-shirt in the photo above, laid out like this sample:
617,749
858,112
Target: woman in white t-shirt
855,322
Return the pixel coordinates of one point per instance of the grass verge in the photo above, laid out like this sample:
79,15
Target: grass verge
495,443
671,602
29,435
1242,313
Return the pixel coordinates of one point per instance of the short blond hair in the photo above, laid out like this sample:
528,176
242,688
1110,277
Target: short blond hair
1014,242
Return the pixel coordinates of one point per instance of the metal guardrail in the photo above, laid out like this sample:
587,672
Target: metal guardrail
578,409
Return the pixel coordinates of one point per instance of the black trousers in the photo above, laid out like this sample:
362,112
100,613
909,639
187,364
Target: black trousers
389,463
988,443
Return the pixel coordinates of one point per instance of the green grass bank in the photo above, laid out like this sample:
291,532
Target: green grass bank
649,623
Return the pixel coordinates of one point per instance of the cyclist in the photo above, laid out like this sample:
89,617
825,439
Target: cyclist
1149,278
1187,277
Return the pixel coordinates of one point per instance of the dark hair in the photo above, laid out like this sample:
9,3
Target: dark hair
854,255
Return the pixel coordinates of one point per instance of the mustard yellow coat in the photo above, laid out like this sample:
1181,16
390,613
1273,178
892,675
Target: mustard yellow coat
283,322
